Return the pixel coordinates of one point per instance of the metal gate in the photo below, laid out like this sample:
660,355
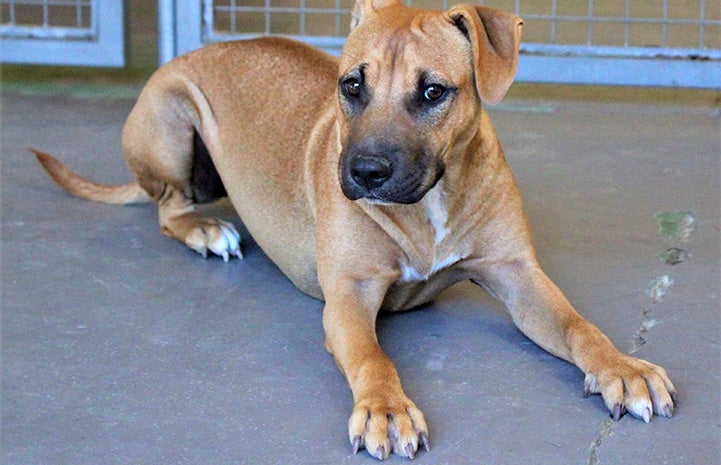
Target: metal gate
613,42
62,32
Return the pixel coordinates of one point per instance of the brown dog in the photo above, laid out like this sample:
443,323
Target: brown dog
374,182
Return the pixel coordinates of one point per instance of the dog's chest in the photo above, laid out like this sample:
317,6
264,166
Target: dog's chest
427,261
410,274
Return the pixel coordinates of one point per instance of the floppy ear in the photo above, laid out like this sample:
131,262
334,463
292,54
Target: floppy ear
495,36
363,7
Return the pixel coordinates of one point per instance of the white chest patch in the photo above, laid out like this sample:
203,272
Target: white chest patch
434,205
410,274
439,265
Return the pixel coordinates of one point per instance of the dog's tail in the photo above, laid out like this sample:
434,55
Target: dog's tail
90,190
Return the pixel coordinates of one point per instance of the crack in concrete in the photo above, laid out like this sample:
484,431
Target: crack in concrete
594,451
658,287
638,340
674,225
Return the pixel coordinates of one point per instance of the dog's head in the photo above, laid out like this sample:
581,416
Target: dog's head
410,88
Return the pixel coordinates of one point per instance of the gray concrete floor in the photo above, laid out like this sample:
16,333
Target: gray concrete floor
120,346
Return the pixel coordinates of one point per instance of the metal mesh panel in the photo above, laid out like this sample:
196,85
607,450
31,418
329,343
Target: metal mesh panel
654,23
62,32
47,18
646,28
328,18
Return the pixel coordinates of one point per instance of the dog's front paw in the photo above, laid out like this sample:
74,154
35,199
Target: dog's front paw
633,385
218,236
382,426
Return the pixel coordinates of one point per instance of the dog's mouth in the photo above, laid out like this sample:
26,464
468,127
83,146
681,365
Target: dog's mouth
389,177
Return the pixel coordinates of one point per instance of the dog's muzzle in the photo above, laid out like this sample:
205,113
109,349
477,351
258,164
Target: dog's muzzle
387,174
370,172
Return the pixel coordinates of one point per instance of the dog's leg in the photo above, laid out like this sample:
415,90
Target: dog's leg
384,419
170,161
543,313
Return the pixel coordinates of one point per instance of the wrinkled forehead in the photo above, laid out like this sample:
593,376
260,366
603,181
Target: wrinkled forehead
405,37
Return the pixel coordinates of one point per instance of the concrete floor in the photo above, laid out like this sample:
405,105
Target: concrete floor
120,346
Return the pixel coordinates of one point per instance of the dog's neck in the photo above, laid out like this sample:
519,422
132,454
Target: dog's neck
434,205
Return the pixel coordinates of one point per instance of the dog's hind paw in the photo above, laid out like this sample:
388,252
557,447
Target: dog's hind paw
220,238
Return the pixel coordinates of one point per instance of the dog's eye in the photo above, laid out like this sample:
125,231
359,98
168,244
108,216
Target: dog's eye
352,87
434,92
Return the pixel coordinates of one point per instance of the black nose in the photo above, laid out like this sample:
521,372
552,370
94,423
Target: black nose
370,172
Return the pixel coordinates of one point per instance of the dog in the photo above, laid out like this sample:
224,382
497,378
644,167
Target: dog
374,181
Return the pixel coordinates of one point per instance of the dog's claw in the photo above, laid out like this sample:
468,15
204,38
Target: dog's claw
410,451
667,410
617,412
589,383
381,453
356,444
647,415
423,436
